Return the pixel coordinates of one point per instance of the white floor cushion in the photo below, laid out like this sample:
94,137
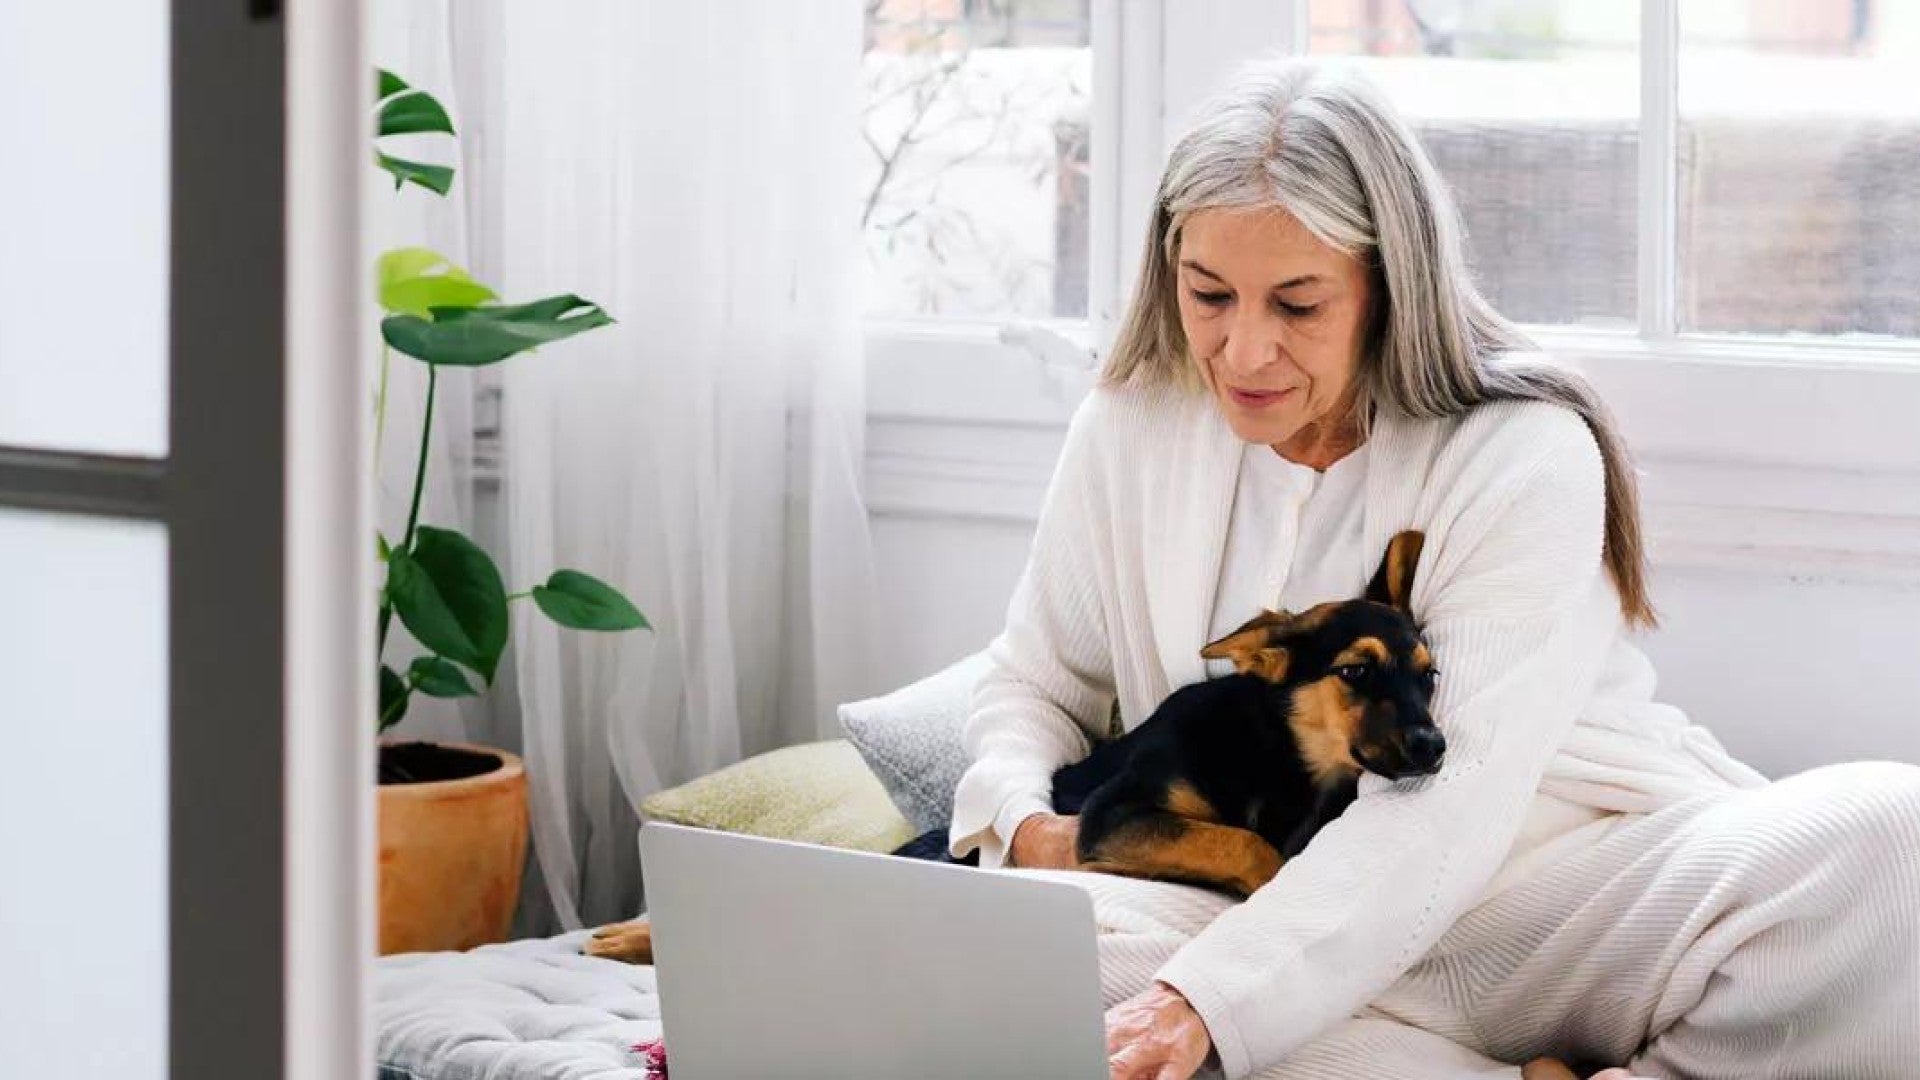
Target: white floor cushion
525,1010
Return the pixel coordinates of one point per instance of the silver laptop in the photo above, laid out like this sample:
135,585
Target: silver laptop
778,959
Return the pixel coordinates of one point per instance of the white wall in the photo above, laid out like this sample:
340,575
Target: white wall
1793,634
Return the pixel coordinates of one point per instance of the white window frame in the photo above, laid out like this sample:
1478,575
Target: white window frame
1796,452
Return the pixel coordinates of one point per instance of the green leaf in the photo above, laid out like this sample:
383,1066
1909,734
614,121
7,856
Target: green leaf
413,281
476,336
435,178
388,84
381,546
393,697
449,594
413,113
440,677
576,600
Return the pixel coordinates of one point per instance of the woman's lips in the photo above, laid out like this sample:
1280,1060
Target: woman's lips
1256,399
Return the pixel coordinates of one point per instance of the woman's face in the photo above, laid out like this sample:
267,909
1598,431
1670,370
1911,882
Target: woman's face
1276,319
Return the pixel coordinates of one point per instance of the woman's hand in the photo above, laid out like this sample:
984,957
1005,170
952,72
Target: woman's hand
1156,1035
1045,842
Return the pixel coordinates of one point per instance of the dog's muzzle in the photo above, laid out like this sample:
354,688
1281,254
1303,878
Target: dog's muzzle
1425,747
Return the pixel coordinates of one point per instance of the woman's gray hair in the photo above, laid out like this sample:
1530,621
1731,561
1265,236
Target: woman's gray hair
1324,144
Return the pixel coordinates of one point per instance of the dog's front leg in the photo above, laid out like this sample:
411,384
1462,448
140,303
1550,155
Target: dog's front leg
1164,846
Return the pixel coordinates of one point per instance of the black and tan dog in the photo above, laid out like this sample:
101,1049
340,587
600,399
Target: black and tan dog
1232,776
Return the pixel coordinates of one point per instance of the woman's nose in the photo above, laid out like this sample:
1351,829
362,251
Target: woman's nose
1252,344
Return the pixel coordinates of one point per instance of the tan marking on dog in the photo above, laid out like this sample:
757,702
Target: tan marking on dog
629,942
1392,584
1252,636
1325,721
1367,650
1546,1068
1422,659
1219,856
1269,664
1185,802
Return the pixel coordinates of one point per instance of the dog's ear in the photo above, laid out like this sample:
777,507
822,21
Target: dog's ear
1392,584
1255,648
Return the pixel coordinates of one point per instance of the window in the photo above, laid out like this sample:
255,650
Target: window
1799,168
974,202
91,163
1794,145
1531,112
1708,205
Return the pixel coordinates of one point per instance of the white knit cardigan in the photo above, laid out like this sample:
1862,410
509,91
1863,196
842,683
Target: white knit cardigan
1540,691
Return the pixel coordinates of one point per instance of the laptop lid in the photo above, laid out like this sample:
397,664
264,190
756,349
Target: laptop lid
782,959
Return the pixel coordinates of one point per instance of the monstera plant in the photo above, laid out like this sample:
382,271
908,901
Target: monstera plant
450,858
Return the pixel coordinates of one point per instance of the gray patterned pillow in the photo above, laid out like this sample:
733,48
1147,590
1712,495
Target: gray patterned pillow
911,739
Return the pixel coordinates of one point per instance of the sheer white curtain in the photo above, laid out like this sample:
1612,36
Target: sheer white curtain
688,165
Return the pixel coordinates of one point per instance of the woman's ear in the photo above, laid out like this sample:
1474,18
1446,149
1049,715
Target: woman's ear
1392,584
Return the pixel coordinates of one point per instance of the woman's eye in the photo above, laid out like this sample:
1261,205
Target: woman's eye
1298,311
1211,299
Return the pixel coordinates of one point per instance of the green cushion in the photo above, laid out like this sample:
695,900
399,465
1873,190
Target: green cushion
819,793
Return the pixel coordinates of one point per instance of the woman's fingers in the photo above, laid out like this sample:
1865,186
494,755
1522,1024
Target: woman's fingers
1155,1035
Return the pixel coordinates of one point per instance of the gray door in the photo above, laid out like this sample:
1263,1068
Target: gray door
182,588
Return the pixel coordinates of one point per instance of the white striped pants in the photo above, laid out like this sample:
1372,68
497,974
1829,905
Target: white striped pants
1768,932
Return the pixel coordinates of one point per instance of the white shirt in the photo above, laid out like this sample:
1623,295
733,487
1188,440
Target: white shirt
1295,539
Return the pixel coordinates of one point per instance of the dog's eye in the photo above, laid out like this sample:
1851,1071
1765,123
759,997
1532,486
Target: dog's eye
1430,676
1353,673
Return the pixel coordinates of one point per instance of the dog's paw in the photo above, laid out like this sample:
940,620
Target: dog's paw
629,943
1265,863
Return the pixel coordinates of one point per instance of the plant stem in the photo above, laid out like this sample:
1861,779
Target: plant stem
420,470
380,404
413,512
519,596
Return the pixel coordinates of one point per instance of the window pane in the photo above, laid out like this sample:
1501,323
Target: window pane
83,263
1530,109
1799,178
83,814
974,196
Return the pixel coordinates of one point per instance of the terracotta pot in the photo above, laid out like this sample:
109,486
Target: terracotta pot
451,852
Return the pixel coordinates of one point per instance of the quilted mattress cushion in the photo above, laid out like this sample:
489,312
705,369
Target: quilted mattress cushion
524,1010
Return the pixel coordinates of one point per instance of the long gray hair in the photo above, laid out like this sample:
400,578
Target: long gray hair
1324,144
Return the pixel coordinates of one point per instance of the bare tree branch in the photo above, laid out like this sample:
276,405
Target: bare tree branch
923,105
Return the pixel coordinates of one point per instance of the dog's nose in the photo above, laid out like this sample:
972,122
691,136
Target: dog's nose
1425,746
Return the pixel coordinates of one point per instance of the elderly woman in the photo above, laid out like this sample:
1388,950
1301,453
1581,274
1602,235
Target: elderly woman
1306,370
